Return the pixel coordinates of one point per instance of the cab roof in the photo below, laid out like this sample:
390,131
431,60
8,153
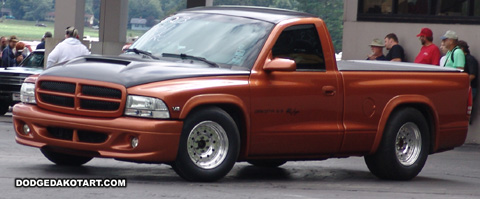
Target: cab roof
272,15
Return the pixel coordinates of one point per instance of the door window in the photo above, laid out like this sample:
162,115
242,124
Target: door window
301,44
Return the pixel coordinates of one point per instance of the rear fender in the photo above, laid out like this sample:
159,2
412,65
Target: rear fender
408,100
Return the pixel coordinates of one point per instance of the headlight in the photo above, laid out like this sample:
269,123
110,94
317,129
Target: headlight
27,93
141,106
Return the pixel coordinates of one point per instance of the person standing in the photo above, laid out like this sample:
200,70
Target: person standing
396,52
471,66
8,56
429,53
377,50
68,49
42,44
455,58
3,45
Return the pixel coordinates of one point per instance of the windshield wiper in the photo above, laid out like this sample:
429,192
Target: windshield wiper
138,52
185,56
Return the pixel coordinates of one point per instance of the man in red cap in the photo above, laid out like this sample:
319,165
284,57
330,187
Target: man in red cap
429,53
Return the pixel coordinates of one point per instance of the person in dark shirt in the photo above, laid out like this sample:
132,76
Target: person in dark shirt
395,52
377,50
471,66
42,44
8,57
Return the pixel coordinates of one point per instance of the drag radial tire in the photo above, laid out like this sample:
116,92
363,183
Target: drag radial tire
404,147
209,145
65,159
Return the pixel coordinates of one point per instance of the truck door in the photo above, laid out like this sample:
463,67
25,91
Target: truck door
296,112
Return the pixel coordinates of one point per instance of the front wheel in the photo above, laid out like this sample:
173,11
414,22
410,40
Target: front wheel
65,159
404,147
209,146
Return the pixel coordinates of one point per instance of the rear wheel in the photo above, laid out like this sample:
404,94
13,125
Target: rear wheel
404,147
65,159
209,145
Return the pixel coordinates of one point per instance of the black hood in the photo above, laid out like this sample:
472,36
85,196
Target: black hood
131,71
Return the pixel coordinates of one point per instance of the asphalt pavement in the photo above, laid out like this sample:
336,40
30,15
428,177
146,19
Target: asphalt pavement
452,174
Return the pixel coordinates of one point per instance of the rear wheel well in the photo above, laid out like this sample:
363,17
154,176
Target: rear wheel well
427,113
238,116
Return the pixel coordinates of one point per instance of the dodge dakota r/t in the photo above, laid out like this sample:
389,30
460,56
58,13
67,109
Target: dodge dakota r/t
209,87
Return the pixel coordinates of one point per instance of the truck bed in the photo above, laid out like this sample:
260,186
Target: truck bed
366,65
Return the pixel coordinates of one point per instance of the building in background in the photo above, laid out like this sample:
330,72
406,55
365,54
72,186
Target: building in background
139,24
368,19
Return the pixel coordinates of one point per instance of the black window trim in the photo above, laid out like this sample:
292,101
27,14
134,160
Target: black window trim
412,18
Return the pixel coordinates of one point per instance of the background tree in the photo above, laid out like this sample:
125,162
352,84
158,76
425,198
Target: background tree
35,10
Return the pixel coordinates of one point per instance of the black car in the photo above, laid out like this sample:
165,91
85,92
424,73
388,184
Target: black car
11,78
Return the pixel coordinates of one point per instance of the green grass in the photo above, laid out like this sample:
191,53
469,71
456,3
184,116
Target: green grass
27,31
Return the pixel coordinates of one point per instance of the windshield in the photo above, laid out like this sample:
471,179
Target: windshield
228,41
34,60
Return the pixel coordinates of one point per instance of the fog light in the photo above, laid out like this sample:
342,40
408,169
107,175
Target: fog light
134,142
26,129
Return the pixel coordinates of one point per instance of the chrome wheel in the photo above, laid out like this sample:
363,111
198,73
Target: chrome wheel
207,144
408,144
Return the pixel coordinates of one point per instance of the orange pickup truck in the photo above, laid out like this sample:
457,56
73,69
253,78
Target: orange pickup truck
209,87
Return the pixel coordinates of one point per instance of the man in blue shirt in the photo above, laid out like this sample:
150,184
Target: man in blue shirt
8,57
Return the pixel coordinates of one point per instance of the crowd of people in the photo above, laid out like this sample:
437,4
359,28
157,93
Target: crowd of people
12,50
456,53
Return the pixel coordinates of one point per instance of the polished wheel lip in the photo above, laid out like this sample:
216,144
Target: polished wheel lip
207,144
408,144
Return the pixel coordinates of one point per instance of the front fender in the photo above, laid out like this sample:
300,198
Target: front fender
211,99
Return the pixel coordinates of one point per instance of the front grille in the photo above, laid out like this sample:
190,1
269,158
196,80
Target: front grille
58,86
11,81
91,137
58,100
81,98
82,135
9,88
98,91
61,133
99,105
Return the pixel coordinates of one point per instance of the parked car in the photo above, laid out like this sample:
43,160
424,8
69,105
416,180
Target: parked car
11,78
40,25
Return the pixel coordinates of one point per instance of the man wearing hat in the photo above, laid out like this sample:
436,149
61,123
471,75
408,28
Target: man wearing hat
8,57
429,53
42,44
455,58
377,50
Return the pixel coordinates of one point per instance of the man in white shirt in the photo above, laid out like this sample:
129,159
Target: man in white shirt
68,49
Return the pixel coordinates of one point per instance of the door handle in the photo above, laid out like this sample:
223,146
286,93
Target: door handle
329,90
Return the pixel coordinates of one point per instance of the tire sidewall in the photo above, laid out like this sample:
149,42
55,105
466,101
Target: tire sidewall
188,169
385,163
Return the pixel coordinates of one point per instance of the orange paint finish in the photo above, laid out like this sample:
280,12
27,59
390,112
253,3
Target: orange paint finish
429,90
158,139
284,113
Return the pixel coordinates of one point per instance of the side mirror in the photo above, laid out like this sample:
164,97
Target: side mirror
280,64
